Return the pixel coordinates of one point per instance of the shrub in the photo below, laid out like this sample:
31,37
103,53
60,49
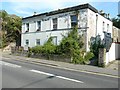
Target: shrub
95,46
49,47
70,46
37,49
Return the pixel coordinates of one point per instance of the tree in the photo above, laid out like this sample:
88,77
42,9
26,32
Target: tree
11,27
116,22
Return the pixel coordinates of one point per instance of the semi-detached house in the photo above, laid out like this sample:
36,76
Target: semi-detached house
38,28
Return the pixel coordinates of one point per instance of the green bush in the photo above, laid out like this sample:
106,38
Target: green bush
37,49
49,47
70,46
95,47
88,56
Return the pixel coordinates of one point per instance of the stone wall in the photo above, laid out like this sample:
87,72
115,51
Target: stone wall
21,52
102,57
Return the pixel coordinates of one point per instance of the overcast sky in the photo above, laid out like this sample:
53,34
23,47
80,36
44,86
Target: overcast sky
26,8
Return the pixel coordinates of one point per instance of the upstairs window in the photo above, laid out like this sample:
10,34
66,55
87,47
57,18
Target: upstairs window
74,20
38,25
54,23
27,27
107,27
37,41
103,26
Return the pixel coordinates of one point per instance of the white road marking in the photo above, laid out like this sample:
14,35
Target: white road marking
9,64
69,79
36,71
61,77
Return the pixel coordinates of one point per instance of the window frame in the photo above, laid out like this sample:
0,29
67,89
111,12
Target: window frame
27,27
27,42
74,22
39,26
103,25
55,23
108,27
54,37
37,41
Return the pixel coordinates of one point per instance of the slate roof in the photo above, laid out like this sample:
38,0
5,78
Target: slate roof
75,8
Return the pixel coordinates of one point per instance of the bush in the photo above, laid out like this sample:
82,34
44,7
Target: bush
37,49
95,46
70,46
49,47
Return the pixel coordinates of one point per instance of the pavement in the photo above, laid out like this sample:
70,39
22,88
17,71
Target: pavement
67,66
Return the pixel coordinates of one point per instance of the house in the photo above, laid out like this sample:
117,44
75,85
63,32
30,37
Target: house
38,28
116,34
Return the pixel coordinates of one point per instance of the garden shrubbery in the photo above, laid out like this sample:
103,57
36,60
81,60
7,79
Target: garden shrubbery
71,45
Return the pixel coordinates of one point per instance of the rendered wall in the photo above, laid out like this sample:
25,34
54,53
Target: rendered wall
114,53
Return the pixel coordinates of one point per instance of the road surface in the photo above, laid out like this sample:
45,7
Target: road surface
17,74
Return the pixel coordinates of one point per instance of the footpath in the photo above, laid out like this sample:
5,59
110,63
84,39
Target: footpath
68,66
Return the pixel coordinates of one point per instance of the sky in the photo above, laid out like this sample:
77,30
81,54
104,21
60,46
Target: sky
24,8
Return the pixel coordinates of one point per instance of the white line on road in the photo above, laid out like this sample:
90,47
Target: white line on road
36,71
61,77
9,64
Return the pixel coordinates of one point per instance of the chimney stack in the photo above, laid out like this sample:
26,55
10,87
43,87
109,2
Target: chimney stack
35,13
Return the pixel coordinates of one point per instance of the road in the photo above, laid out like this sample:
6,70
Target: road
17,74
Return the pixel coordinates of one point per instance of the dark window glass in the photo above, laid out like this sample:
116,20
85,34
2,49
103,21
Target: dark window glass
27,26
73,20
108,27
37,41
103,26
55,23
27,42
38,25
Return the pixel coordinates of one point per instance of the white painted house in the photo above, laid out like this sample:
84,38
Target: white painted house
38,28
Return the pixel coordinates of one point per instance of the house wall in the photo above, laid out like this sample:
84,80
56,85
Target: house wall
64,22
100,30
43,36
95,26
116,34
86,20
91,32
114,53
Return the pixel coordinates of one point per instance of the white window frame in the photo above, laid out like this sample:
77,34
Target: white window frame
103,25
73,21
27,27
38,27
108,27
55,23
27,42
54,38
37,41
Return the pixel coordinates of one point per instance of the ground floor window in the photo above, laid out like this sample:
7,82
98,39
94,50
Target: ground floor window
54,40
37,41
27,42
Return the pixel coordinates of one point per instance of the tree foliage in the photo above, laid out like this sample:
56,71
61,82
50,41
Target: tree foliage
11,27
116,22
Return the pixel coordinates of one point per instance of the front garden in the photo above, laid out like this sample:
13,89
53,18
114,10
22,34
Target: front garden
70,47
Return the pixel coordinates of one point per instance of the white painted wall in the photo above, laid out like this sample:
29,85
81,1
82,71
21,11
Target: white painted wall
114,53
100,21
86,17
43,36
95,24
